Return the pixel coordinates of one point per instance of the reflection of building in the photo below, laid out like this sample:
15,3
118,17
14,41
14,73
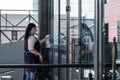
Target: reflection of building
73,26
112,26
112,17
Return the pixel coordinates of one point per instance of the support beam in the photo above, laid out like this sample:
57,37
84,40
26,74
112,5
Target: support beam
98,39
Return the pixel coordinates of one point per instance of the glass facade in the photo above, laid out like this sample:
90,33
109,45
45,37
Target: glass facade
81,26
81,36
83,32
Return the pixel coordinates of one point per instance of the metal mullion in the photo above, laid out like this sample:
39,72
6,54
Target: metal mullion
0,26
52,33
80,19
98,39
96,57
59,30
80,32
68,71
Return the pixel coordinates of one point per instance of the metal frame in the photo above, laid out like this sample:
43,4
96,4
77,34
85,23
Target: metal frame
98,39
52,41
0,27
80,31
52,65
68,52
16,25
44,65
59,30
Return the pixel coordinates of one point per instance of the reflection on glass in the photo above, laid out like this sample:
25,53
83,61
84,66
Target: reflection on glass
86,42
55,30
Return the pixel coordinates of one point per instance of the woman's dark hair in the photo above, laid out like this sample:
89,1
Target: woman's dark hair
28,29
87,31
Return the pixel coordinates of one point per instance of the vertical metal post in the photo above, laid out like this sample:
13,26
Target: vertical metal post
29,16
98,36
52,30
39,15
44,25
68,73
80,31
24,75
80,17
59,29
0,26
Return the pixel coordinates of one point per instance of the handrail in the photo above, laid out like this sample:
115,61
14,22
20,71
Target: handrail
43,65
52,65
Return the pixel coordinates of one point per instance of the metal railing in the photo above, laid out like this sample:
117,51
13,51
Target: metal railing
45,65
52,65
14,19
81,65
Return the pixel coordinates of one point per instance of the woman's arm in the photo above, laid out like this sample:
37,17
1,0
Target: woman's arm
33,51
43,40
31,42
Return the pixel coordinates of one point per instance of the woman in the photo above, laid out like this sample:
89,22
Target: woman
86,42
32,53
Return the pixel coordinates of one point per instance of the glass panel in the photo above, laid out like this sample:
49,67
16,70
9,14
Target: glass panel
63,29
111,30
87,38
59,36
59,33
55,31
74,34
83,46
87,33
63,23
55,38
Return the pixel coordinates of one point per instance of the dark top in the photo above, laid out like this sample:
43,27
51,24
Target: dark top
30,58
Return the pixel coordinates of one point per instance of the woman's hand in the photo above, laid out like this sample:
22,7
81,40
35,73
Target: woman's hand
47,37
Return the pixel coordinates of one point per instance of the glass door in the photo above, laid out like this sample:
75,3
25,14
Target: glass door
74,38
86,38
59,39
